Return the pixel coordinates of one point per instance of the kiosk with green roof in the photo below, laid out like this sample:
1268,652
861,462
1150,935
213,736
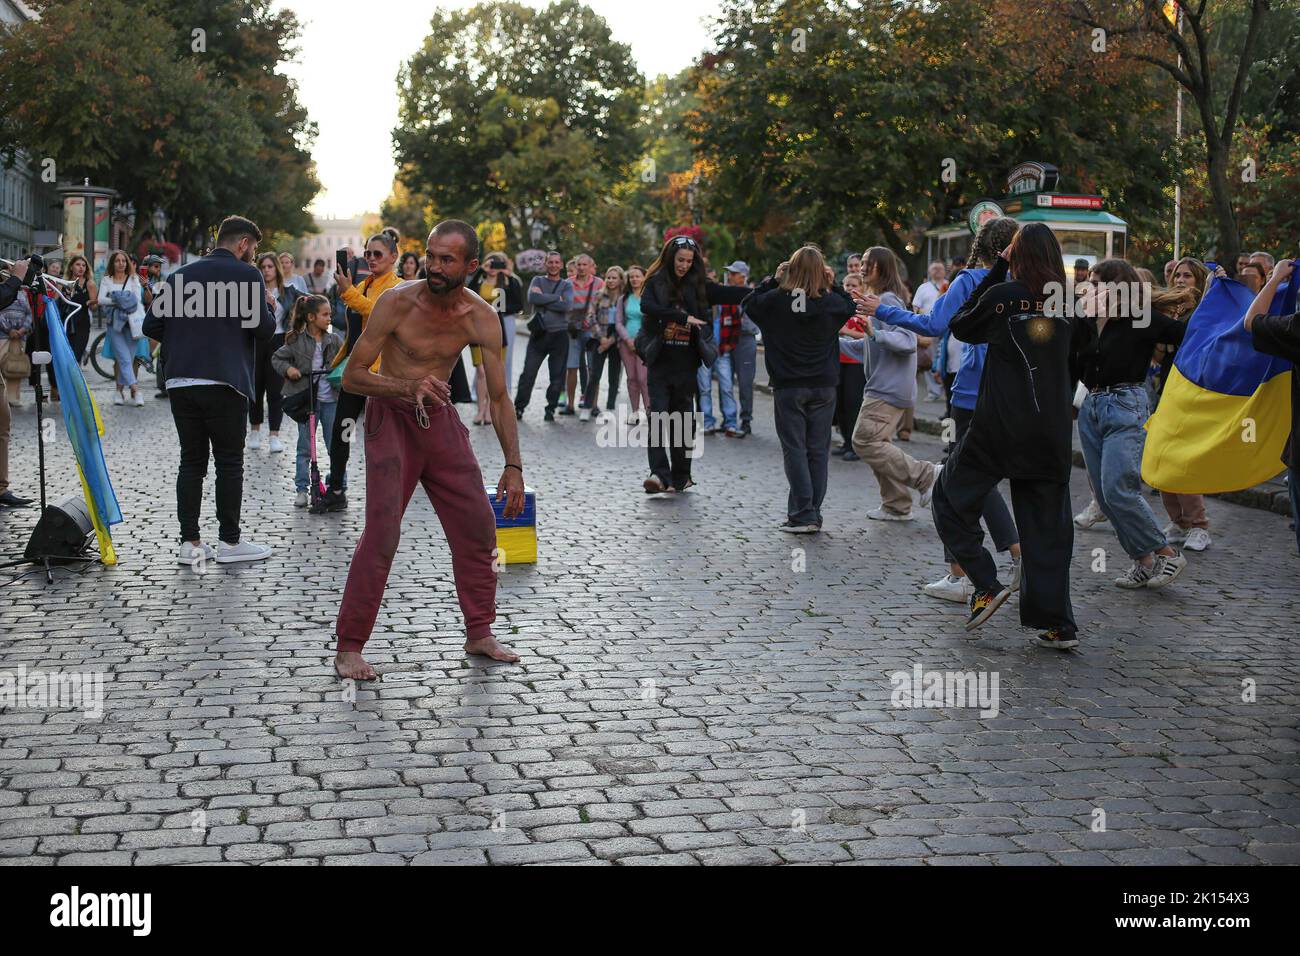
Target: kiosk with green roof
1085,230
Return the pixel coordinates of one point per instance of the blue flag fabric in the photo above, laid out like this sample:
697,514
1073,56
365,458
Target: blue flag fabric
81,419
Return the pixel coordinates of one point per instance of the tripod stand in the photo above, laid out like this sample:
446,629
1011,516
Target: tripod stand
43,557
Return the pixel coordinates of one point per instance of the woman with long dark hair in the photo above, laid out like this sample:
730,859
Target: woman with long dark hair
676,327
994,236
267,382
84,294
1021,430
502,290
1114,413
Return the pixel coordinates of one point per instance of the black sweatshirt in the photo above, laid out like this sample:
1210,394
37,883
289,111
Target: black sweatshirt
801,348
1122,355
664,314
1023,415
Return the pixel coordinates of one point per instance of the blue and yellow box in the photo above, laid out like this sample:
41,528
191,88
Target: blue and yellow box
516,537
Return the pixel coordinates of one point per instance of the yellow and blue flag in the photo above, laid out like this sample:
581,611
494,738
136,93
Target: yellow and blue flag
84,426
1225,414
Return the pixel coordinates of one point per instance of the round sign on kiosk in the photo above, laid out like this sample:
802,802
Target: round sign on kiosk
982,212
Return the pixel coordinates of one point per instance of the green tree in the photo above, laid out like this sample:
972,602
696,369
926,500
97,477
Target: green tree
519,115
168,125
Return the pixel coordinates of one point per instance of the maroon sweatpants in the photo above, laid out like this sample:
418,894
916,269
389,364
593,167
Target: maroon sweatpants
400,453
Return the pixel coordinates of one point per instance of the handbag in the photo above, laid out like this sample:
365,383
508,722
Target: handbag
705,347
646,345
925,358
16,364
298,404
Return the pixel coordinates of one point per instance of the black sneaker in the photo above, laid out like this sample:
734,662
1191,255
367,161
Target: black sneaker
519,414
11,500
549,415
745,430
567,411
983,604
1059,638
333,501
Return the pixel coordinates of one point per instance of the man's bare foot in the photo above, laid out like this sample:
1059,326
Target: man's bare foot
349,665
488,647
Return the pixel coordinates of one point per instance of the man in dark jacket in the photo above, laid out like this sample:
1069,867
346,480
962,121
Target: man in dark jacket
208,316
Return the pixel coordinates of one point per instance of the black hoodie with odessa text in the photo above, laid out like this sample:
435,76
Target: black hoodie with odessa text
1023,418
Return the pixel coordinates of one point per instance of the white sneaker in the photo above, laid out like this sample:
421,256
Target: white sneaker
1174,534
1166,569
138,401
118,398
928,494
300,500
880,514
584,415
254,440
244,551
1015,575
276,444
1089,516
949,588
1198,539
192,556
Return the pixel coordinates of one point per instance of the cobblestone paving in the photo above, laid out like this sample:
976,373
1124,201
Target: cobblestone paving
694,689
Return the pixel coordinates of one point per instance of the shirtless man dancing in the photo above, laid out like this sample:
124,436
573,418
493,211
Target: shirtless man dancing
414,436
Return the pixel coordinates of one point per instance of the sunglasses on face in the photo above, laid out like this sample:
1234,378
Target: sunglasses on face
372,253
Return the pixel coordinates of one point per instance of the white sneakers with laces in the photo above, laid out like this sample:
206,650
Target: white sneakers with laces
1089,516
1198,539
244,551
254,440
949,588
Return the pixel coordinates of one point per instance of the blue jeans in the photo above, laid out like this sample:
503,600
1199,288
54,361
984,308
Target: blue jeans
704,379
123,345
1111,432
324,419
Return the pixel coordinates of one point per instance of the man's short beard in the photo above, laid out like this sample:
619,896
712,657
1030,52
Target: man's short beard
428,281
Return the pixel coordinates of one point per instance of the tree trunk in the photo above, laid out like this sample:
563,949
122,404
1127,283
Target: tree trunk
1217,174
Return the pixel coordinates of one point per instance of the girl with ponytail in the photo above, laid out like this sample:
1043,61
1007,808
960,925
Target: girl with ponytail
310,345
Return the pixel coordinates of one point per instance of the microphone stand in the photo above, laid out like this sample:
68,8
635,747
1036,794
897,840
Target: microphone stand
40,359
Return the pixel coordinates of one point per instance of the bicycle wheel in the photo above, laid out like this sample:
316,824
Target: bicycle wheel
101,365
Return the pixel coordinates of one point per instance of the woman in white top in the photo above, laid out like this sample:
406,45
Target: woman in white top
121,302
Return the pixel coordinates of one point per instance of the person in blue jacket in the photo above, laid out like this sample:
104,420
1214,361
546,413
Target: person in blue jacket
994,236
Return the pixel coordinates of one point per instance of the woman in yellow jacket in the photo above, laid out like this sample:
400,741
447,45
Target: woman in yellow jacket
381,256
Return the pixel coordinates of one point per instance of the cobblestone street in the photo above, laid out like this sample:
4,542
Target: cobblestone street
695,688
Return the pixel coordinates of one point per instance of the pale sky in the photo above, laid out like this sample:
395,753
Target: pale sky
350,53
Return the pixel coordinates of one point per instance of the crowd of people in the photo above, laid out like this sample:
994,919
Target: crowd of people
850,353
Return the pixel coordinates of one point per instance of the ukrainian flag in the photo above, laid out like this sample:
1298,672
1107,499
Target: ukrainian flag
84,427
1225,414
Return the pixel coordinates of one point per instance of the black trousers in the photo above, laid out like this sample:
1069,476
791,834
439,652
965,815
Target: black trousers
599,361
346,415
1042,510
848,398
553,349
672,425
994,511
210,418
266,382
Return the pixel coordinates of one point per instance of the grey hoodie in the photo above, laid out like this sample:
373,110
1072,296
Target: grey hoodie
889,360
